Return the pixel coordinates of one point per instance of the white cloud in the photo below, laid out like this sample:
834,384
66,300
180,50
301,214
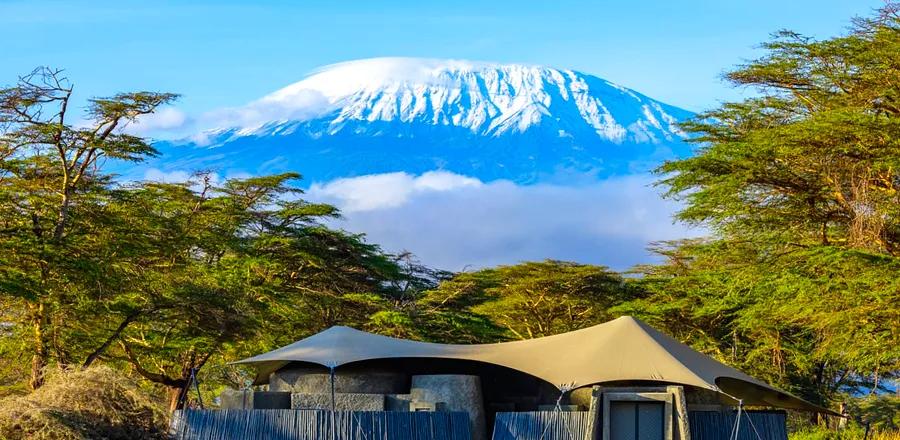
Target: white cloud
201,138
391,190
172,123
443,181
457,222
165,119
340,80
454,222
157,175
302,105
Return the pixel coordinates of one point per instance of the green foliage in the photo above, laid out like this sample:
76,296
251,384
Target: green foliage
880,412
799,186
814,160
527,300
815,321
57,256
162,279
14,350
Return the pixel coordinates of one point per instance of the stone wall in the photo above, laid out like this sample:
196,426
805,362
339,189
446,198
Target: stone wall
459,393
358,389
313,380
342,401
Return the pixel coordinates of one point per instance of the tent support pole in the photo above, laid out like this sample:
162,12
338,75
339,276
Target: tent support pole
331,374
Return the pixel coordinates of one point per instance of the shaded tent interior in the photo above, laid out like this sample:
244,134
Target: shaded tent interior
502,389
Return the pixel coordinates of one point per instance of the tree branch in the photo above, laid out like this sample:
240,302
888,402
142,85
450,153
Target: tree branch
153,377
109,340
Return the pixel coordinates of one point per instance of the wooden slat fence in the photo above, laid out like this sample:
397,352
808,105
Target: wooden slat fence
287,424
711,425
541,425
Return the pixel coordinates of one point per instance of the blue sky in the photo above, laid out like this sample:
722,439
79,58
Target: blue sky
226,53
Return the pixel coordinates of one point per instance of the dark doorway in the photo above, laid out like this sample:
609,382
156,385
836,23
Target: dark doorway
637,420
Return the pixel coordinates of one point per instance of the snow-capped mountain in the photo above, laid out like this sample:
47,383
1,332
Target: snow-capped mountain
519,122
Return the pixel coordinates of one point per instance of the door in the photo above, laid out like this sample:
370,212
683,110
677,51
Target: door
637,420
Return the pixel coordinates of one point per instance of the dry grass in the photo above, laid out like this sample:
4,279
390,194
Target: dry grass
98,403
849,434
892,435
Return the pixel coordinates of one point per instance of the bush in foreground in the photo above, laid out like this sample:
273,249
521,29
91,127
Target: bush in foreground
89,404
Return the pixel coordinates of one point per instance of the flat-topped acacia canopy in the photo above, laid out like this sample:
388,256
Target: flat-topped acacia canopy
624,349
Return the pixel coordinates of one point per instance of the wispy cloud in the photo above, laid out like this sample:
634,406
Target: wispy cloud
391,190
164,120
172,123
302,104
177,176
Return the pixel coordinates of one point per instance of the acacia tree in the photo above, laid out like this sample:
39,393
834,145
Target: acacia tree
527,300
48,170
199,289
814,160
160,277
229,269
800,188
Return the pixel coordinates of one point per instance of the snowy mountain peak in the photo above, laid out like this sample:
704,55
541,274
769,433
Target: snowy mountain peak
345,79
487,120
488,99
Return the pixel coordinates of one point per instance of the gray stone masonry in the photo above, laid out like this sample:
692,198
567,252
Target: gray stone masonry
342,401
459,393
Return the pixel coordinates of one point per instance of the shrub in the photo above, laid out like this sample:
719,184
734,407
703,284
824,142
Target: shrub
97,403
881,412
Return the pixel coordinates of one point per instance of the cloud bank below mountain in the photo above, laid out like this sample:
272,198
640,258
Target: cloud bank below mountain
457,222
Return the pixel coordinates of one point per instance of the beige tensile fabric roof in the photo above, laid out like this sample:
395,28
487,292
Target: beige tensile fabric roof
624,349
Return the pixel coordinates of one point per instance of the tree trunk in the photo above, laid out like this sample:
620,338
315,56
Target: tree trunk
63,214
39,357
175,393
178,391
176,386
820,377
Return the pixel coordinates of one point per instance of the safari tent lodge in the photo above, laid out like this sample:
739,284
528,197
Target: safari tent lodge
619,380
